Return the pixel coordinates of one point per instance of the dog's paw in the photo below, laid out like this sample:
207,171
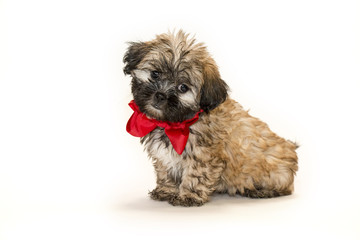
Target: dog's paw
186,201
160,194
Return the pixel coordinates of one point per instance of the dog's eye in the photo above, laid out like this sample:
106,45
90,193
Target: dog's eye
154,74
183,88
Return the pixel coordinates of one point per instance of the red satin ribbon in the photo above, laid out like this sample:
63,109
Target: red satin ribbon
178,132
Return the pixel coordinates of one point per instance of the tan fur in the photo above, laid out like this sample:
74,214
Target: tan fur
228,150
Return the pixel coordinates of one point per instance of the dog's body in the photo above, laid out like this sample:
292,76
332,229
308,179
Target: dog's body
227,151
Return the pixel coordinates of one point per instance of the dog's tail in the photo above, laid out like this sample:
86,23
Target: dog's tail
297,145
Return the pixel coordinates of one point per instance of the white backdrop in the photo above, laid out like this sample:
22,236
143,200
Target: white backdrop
69,170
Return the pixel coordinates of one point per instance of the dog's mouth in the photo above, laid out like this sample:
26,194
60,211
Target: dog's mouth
154,111
166,110
157,106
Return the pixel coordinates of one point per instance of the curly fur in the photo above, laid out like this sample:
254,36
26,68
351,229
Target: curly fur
228,150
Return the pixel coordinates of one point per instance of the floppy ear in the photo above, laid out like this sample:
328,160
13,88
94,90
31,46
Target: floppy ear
134,54
214,90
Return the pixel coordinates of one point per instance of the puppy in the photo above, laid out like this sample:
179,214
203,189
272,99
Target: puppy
199,139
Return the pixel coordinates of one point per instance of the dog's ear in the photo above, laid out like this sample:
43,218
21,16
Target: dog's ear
134,54
214,90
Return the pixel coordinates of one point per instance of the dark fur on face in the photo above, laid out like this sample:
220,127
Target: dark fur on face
172,79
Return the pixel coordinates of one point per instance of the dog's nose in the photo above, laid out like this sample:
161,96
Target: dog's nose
160,97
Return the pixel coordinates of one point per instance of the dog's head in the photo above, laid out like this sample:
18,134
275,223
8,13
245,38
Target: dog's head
173,77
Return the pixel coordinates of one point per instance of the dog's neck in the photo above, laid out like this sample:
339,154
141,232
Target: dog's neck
139,125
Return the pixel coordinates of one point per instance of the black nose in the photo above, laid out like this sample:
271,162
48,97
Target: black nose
160,97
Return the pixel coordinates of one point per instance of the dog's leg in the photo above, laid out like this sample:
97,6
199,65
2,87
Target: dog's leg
166,188
265,193
198,183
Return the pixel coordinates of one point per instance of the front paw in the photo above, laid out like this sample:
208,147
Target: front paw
161,194
186,201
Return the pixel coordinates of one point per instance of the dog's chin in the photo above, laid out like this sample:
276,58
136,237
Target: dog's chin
154,112
163,114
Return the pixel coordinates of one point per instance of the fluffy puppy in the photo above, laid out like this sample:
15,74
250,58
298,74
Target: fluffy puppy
228,151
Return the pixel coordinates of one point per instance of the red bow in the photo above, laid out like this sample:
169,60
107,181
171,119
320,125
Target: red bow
178,132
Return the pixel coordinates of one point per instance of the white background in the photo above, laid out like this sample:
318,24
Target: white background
69,170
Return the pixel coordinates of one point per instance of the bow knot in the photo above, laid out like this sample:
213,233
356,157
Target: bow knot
178,132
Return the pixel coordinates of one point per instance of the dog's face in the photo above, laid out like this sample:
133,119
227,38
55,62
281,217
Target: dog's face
173,77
